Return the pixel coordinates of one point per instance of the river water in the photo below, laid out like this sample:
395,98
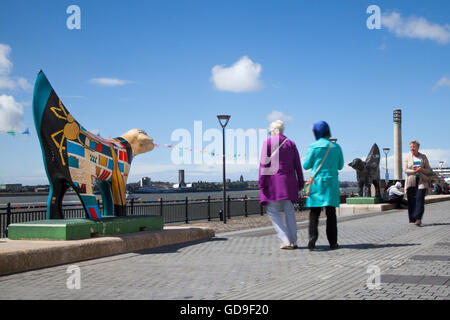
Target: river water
73,198
42,198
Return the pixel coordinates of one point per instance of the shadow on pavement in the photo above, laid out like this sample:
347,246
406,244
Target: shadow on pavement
363,246
173,248
434,224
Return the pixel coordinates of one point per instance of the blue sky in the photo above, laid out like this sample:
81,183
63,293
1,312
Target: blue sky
306,61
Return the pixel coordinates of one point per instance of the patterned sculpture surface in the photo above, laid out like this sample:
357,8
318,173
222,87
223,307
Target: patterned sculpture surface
74,157
368,172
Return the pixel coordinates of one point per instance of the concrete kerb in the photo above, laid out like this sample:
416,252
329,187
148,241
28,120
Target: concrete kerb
24,255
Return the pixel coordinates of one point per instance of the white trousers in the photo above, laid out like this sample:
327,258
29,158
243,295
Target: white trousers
286,232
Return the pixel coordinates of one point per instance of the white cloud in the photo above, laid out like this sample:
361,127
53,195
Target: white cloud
11,114
415,27
278,115
23,84
436,155
19,83
443,82
242,76
6,82
5,64
108,82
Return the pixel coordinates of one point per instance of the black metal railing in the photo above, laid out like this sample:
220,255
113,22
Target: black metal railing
172,211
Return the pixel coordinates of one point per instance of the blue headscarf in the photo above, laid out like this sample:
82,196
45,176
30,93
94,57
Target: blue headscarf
321,129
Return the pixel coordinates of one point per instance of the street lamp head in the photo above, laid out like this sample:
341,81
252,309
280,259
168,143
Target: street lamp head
386,150
223,119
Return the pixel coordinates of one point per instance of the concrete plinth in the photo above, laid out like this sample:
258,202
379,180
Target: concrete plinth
363,200
75,229
349,209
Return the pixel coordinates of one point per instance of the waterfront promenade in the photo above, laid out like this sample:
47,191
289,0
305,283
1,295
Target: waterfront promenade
247,264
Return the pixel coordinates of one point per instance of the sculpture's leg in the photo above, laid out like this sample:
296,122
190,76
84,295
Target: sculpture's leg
108,205
118,188
376,183
55,197
91,206
367,189
361,189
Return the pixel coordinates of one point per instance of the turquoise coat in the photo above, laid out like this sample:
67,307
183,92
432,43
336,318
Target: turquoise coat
325,187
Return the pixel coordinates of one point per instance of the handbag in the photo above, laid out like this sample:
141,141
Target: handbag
310,181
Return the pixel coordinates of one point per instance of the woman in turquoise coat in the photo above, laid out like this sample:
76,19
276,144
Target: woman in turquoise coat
325,186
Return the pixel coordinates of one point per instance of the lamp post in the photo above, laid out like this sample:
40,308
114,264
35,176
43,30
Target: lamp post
386,178
223,120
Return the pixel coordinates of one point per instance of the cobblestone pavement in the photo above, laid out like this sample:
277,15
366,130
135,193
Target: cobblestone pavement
248,264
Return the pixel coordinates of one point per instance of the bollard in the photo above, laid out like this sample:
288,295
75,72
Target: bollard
245,206
209,208
228,207
161,207
99,208
186,209
8,217
261,210
132,206
221,215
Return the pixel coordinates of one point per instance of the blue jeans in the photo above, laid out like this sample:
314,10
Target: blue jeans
416,203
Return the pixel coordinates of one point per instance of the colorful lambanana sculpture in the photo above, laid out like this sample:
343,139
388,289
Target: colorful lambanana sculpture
77,158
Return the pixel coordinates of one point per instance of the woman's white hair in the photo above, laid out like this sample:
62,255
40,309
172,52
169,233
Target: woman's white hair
277,126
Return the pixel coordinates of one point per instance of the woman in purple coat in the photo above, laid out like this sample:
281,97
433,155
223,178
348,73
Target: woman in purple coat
280,178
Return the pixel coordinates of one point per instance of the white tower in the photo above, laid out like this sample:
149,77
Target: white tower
398,144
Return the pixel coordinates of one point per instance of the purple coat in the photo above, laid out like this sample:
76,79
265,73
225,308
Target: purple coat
282,181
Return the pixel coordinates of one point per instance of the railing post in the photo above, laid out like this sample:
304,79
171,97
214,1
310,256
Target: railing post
261,210
209,208
228,207
245,206
8,217
186,208
98,204
132,206
161,207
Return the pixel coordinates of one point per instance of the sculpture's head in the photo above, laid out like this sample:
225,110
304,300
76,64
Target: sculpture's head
357,164
139,140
